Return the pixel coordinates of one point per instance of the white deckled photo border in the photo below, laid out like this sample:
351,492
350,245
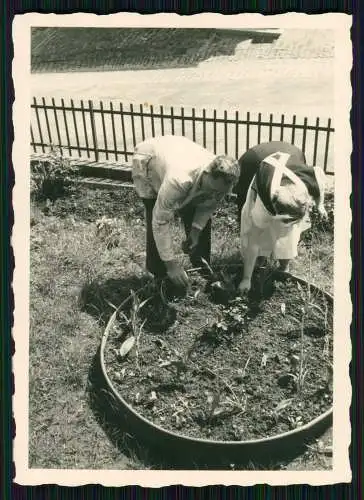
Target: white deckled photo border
341,471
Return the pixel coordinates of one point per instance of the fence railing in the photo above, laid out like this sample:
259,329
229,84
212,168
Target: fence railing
100,131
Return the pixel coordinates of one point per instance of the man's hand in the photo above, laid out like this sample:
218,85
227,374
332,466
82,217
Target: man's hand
190,244
177,274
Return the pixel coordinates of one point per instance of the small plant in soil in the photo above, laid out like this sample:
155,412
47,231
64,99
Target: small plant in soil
135,325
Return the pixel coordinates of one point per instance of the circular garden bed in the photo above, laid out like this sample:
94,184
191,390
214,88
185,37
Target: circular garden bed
193,369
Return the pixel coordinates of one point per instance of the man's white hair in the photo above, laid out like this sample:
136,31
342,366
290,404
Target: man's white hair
225,166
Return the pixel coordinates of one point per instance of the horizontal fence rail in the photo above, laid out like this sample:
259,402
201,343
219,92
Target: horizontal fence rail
102,131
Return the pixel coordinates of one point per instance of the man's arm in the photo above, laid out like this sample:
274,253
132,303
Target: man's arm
170,198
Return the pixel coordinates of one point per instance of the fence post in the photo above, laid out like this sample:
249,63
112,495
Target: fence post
93,128
225,132
32,139
123,130
237,153
293,129
270,127
85,128
259,127
247,130
215,117
327,144
183,121
282,128
316,140
304,135
38,122
57,126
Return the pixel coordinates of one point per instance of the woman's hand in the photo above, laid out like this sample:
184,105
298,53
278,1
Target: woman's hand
322,212
245,286
177,274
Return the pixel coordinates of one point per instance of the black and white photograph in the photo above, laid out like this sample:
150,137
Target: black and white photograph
182,248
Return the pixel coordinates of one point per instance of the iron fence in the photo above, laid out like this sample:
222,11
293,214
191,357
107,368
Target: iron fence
100,131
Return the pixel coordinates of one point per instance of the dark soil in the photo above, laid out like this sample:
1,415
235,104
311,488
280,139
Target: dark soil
248,369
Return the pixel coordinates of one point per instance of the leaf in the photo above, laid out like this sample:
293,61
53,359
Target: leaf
264,360
142,304
153,396
283,309
282,405
210,399
215,402
111,304
126,346
162,364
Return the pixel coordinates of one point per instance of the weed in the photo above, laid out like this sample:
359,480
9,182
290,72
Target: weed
52,179
109,231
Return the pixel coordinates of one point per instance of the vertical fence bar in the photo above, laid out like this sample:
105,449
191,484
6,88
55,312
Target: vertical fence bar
316,140
215,113
132,123
113,131
270,126
304,135
183,121
142,121
259,127
57,126
247,130
152,120
104,129
93,129
172,121
193,125
75,127
328,131
293,129
32,139
123,130
47,121
225,132
237,134
66,127
204,127
85,129
162,119
282,128
38,123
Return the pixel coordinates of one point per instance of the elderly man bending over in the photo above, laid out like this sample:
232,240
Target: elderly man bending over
274,193
175,175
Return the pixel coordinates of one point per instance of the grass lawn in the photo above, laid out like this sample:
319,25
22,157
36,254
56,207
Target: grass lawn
76,273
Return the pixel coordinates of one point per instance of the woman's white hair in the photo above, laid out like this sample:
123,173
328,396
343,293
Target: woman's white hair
291,199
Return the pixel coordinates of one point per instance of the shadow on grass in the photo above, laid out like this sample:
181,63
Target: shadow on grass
99,299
